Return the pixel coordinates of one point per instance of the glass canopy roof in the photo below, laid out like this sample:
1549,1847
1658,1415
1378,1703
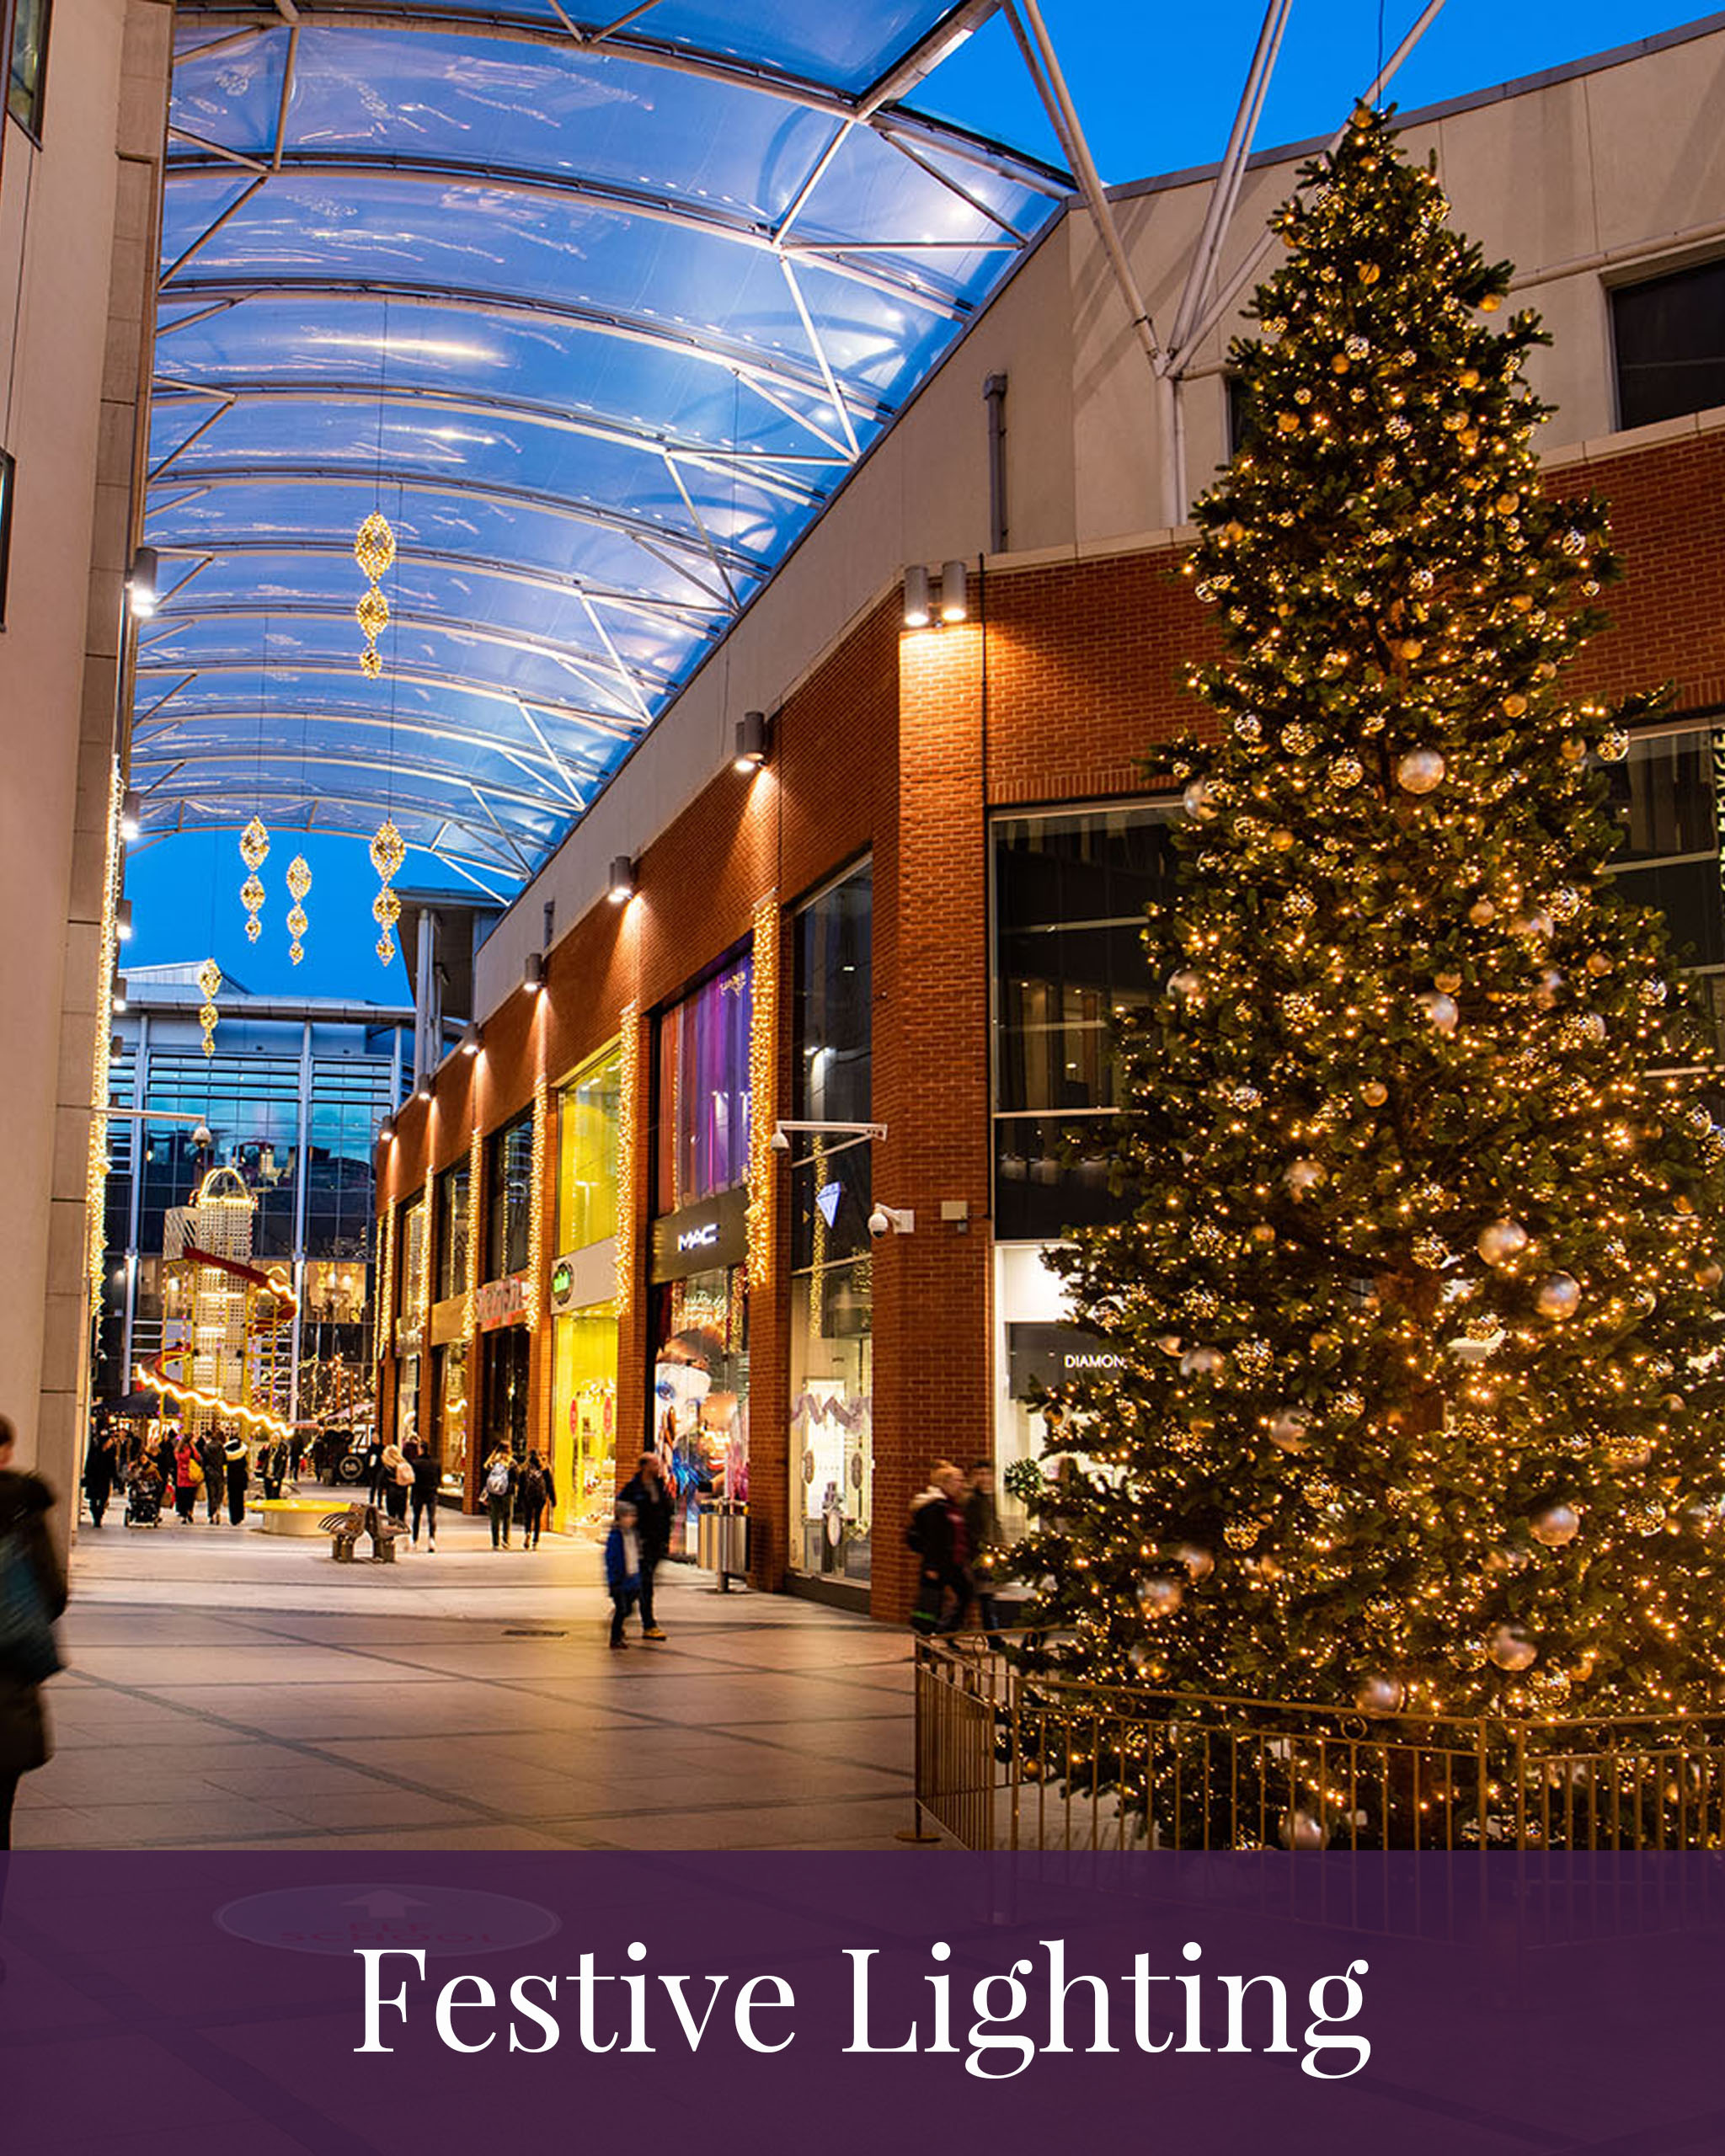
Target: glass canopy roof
597,309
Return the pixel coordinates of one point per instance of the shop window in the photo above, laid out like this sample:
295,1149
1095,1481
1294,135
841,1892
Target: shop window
700,1404
583,1421
1670,338
27,76
9,479
1070,896
701,1100
587,1155
453,1188
831,1447
451,1443
1662,799
510,1184
410,1275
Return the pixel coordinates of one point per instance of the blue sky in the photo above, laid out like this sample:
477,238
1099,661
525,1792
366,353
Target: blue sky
1156,88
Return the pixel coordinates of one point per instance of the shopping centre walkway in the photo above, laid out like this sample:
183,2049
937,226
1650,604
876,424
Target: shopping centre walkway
227,1689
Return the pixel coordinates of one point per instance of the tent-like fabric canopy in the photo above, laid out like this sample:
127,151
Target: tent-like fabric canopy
597,312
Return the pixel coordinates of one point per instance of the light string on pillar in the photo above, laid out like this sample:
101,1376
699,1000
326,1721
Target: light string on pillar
470,1286
535,1205
628,1054
96,1186
763,1070
386,1285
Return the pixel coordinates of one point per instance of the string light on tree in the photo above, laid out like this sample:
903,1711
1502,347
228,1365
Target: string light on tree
1412,1304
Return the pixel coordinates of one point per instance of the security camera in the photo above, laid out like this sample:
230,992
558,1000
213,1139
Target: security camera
878,1224
891,1220
202,1135
780,1141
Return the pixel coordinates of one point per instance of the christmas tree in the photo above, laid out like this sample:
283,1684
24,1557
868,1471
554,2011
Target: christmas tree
1419,1283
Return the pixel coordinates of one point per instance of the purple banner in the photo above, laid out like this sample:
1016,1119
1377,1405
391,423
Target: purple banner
259,2004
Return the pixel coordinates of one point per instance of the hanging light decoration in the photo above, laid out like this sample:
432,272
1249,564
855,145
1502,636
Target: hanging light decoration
254,850
374,550
209,981
388,852
299,882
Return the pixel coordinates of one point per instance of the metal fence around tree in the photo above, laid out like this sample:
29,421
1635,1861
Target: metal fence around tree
1009,1756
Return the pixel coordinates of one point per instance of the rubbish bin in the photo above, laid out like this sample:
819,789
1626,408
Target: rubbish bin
721,1540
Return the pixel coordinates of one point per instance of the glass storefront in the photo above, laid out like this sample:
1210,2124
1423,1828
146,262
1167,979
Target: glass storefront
583,1340
831,1357
509,1185
505,1363
451,1437
699,1407
452,1225
583,1425
406,1400
700,1403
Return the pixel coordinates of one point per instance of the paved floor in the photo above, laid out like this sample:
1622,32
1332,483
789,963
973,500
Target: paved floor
226,1689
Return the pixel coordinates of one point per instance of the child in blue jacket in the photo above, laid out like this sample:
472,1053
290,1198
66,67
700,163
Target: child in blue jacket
623,1568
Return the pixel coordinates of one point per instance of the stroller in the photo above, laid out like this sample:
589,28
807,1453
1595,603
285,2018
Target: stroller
143,1498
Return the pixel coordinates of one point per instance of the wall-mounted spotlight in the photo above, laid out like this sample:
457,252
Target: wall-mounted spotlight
132,807
622,881
122,920
751,741
141,592
386,1130
916,610
473,1040
422,1091
119,994
955,605
533,973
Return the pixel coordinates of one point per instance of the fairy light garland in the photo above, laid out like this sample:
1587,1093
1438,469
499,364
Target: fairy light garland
763,1072
628,1058
536,1207
96,1171
470,1287
386,1286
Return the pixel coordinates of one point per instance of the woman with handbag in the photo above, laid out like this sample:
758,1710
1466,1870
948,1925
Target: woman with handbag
32,1596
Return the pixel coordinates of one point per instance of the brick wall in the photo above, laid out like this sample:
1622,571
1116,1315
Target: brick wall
1055,689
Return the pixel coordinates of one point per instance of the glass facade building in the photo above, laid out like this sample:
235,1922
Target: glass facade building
292,1099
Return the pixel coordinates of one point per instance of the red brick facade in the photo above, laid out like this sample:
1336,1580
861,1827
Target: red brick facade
899,744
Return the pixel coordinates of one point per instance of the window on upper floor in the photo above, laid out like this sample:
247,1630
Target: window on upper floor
27,71
1668,335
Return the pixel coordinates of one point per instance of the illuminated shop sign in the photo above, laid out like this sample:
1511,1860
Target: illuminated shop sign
702,1237
502,1302
1047,1355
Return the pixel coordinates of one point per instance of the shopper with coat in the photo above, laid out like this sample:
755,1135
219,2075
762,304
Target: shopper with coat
237,1468
395,1478
188,1477
622,1567
648,1492
497,1485
212,1453
32,1596
537,1495
423,1492
101,1471
938,1534
273,1465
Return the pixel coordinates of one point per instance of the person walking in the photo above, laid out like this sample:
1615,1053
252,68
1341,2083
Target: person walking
237,1471
937,1533
649,1494
273,1463
32,1596
622,1567
212,1456
982,1535
395,1478
101,1471
500,1488
188,1477
425,1494
538,1493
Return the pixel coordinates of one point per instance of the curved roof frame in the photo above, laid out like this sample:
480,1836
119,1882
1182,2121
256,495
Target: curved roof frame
635,365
